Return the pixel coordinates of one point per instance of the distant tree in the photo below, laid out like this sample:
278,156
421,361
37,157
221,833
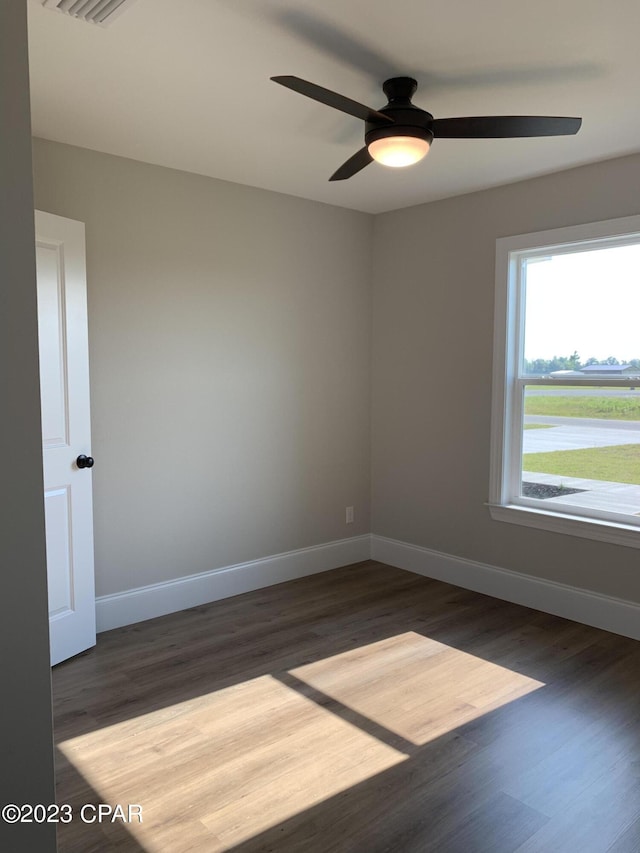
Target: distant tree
611,360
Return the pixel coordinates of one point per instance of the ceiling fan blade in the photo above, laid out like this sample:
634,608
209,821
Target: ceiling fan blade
496,127
332,99
354,164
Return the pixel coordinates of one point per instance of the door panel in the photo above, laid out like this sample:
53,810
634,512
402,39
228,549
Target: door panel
54,392
59,550
66,433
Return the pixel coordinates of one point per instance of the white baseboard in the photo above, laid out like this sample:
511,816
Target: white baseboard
147,602
580,605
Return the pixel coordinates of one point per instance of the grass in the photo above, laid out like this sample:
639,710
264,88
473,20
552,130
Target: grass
615,408
539,426
619,464
582,386
555,387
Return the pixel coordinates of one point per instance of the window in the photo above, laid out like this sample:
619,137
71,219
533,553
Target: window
566,396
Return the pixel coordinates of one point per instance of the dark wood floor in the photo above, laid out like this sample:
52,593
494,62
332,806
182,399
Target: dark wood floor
363,710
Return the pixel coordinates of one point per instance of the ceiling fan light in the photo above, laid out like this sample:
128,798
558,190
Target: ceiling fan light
398,151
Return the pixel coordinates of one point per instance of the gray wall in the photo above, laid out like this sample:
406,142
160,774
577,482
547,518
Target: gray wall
229,334
26,751
434,274
230,343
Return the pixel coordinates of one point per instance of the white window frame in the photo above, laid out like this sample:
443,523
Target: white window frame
505,502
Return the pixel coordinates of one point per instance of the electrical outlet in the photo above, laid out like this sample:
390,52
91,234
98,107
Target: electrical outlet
348,515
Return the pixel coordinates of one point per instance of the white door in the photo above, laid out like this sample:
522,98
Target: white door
66,433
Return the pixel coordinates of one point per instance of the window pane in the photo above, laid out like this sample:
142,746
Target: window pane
581,313
581,447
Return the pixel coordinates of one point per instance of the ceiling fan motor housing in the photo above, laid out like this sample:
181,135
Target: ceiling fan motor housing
400,134
408,120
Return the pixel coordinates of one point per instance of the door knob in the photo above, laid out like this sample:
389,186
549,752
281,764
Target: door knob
84,461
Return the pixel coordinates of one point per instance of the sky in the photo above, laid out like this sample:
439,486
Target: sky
586,301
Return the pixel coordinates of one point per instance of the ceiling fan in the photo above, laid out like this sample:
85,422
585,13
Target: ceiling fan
400,133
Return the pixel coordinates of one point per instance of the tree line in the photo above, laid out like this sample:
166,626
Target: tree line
570,362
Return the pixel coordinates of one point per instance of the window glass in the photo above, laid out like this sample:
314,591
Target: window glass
582,309
581,444
581,447
566,436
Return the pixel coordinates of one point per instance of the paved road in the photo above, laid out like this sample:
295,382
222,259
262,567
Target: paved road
572,434
598,423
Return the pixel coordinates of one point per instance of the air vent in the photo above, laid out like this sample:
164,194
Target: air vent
101,12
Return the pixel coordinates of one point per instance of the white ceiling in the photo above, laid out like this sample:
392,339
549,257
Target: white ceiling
186,84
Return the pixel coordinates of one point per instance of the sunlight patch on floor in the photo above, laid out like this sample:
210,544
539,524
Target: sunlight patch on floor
414,686
252,755
241,760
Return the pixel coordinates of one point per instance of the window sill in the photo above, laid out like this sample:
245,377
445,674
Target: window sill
571,525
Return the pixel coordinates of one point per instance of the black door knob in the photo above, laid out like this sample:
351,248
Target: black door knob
84,461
